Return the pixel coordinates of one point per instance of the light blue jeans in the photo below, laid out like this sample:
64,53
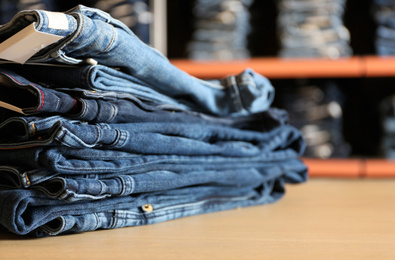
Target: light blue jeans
94,34
33,212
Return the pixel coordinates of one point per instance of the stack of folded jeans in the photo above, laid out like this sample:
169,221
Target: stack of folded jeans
312,28
384,14
131,140
387,118
136,14
221,28
316,109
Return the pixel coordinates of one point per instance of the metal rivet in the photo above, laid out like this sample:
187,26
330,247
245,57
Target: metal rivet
91,61
148,207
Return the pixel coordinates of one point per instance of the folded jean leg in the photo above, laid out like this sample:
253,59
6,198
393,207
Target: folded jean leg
152,138
47,216
123,185
75,98
74,189
65,160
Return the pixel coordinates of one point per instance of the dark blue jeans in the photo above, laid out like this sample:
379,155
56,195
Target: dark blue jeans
147,138
55,96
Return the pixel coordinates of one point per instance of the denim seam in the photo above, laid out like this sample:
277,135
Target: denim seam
82,114
190,206
20,84
112,39
79,32
122,137
99,134
117,219
42,99
98,222
114,111
128,185
236,96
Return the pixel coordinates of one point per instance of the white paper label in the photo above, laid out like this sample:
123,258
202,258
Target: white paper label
24,44
57,20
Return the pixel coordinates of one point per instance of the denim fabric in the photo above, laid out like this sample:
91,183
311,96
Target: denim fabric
148,138
316,109
74,189
95,106
115,45
383,12
15,177
32,212
65,160
150,151
387,127
136,14
103,79
24,131
220,30
312,29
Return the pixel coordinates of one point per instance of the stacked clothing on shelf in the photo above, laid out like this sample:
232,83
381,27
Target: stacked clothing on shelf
221,28
131,140
136,14
316,109
312,28
384,14
387,119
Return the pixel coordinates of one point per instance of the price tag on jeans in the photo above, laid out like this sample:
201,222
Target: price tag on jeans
24,44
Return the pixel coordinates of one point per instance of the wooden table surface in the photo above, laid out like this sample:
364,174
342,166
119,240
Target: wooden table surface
321,219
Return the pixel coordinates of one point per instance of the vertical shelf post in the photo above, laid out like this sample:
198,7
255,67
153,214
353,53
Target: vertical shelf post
158,32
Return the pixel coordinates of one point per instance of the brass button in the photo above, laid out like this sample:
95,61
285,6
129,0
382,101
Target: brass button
91,61
148,208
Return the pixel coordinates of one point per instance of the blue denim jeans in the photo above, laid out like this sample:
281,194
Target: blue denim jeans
136,14
65,160
84,188
114,45
54,98
384,14
312,29
33,212
145,138
29,176
104,79
98,81
220,30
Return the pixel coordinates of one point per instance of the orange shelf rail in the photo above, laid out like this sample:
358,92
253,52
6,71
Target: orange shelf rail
278,68
275,67
376,66
379,168
351,168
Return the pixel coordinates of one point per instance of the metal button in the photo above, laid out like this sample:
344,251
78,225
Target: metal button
148,208
91,61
